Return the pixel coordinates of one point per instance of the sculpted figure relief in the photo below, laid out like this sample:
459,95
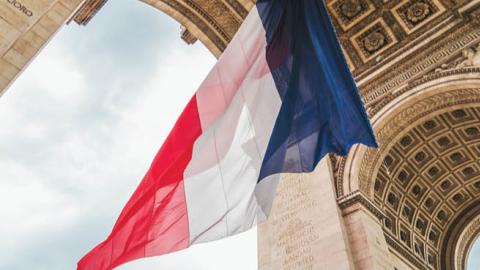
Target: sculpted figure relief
472,57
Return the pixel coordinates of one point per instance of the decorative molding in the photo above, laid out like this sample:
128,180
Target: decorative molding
238,8
413,14
402,120
429,175
187,36
453,235
373,109
405,253
465,243
357,197
88,10
350,12
415,67
341,161
374,40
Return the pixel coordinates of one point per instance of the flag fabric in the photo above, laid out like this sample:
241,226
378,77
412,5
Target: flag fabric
278,100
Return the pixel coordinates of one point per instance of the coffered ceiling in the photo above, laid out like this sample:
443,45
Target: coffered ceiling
431,174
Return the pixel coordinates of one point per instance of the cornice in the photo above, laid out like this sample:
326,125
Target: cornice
358,198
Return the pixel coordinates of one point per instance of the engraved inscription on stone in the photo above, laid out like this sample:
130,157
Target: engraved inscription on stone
21,15
304,230
293,244
21,7
296,234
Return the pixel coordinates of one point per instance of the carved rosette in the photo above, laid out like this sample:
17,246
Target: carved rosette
350,12
350,8
374,40
418,12
415,12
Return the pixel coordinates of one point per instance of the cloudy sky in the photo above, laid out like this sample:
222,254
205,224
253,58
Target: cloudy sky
78,130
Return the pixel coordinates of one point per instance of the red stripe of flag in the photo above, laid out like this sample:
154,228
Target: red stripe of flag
155,219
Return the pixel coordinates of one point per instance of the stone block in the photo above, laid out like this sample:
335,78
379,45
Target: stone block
8,35
3,83
34,39
15,58
41,31
7,70
72,5
49,24
304,230
62,10
23,14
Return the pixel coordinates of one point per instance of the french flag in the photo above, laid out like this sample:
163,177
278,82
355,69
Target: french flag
279,99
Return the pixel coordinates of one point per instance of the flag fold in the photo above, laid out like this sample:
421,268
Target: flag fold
278,100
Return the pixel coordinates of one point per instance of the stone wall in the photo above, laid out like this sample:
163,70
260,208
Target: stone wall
305,229
25,27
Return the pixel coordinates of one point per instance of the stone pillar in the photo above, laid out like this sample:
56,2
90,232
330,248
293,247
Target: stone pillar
305,229
369,249
25,27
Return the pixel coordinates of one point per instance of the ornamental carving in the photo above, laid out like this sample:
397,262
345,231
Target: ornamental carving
402,120
396,76
214,22
414,12
349,12
466,242
373,40
351,8
472,57
428,175
418,12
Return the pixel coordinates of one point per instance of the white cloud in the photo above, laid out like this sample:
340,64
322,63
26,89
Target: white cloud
75,142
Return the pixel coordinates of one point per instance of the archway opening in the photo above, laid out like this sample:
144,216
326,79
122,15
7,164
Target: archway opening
425,177
473,261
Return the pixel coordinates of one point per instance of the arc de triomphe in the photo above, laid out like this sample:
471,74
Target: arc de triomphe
414,203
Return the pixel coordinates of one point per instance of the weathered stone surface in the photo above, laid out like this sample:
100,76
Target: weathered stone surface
305,229
25,27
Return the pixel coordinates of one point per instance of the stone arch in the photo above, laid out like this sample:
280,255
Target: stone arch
436,93
467,241
461,237
425,177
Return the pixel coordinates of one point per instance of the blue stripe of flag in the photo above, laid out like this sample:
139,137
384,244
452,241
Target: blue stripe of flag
321,109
